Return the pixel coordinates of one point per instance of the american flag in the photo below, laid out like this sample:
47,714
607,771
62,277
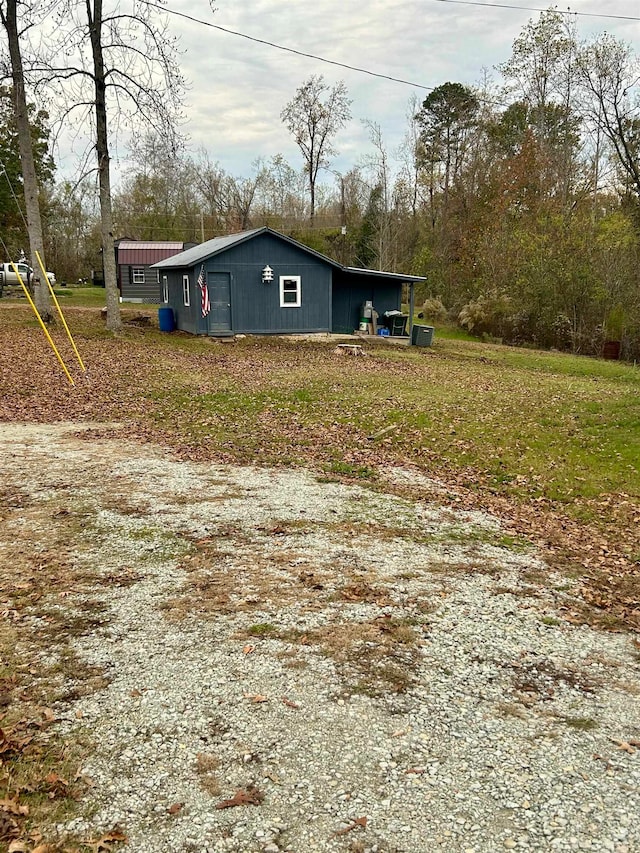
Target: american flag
204,290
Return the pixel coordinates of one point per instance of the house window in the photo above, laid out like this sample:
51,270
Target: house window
165,289
138,275
185,291
290,291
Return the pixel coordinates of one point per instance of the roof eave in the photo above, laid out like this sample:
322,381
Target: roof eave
398,276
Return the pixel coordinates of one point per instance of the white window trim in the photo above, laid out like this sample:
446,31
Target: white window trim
165,289
186,296
298,280
138,280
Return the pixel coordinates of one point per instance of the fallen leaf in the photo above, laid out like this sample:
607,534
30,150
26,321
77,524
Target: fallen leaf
17,847
106,842
257,697
249,796
359,821
54,779
248,649
623,745
275,779
175,808
289,703
8,827
135,693
13,807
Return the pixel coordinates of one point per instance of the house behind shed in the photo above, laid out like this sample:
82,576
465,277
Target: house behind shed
263,282
137,282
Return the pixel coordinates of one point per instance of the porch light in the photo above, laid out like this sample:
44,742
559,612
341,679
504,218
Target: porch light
267,274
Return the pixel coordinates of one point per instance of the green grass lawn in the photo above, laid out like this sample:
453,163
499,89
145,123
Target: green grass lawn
518,423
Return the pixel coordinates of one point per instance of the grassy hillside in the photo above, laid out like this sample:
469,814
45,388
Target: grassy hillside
550,441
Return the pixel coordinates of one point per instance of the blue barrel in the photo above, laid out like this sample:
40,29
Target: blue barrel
166,320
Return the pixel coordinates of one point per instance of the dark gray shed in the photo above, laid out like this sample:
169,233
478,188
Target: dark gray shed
262,282
137,282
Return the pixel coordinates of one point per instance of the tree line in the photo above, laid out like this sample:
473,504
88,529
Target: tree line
518,199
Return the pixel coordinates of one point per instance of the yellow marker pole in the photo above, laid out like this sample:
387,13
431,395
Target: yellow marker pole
57,304
44,328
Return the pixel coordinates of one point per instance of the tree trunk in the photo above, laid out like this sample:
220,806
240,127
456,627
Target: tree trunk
114,321
312,193
30,180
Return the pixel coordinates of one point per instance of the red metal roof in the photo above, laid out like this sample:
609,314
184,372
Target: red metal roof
143,253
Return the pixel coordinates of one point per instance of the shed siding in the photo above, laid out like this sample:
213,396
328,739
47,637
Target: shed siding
150,291
255,307
350,291
141,257
186,317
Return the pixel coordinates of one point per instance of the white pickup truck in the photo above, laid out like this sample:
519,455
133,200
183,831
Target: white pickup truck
8,276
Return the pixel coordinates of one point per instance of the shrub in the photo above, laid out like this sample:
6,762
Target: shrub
434,310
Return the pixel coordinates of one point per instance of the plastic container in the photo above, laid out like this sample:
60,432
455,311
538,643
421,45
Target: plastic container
396,324
166,320
384,333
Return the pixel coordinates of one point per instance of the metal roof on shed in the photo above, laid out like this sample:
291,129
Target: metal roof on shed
204,251
199,253
140,244
398,276
145,253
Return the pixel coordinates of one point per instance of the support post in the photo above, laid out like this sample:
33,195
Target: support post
411,309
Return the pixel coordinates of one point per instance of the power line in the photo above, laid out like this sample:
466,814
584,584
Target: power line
535,9
366,70
289,49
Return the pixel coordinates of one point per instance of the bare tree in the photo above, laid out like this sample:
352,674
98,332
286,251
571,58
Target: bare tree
125,67
314,116
610,72
15,20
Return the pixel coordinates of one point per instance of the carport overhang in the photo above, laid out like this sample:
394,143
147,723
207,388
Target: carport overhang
389,277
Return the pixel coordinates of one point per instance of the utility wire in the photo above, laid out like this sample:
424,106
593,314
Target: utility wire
535,9
366,70
3,170
288,49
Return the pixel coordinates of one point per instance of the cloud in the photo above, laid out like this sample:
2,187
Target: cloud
238,87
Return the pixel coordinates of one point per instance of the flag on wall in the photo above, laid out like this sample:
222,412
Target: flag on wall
204,291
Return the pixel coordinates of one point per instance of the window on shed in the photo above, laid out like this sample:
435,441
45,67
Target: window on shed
290,291
185,291
165,289
138,275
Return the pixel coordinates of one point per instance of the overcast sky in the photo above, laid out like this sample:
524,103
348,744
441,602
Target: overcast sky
237,88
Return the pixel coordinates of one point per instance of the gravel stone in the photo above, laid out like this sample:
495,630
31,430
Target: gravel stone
478,725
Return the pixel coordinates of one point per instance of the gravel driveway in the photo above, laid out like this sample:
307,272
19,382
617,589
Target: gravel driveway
294,665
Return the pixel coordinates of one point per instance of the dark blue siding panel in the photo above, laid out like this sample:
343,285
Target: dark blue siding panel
255,307
331,298
350,291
